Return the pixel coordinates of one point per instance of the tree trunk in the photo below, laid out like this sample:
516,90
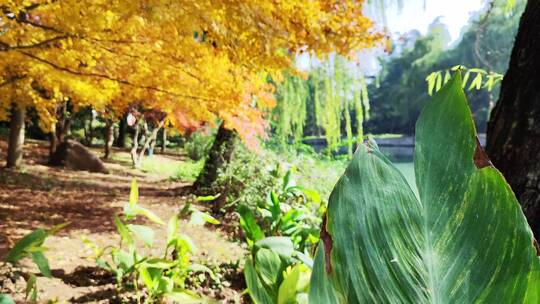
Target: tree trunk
122,130
53,142
218,157
109,137
89,131
147,139
16,137
135,145
513,136
164,140
61,128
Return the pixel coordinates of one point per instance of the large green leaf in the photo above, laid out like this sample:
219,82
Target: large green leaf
464,240
257,290
268,265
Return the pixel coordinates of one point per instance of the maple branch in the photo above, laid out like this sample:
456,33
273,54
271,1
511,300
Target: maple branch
4,47
103,76
12,80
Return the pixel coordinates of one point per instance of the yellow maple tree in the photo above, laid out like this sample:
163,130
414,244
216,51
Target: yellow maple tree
197,61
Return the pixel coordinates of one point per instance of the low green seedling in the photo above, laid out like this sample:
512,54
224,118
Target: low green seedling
137,269
31,246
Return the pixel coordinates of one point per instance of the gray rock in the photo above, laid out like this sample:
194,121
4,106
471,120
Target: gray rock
74,155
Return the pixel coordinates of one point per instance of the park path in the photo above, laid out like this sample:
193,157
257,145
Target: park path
41,196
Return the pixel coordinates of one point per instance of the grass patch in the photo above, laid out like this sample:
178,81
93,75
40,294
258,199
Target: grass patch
162,166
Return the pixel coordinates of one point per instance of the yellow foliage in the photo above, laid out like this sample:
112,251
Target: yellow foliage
196,60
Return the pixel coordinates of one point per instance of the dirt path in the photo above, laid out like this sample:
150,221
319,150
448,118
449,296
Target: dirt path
41,196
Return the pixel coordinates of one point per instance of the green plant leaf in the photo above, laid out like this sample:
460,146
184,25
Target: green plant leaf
256,289
249,225
133,211
124,259
184,297
146,277
268,266
41,261
200,218
143,233
464,240
5,299
207,198
287,289
125,235
172,229
22,247
279,244
31,289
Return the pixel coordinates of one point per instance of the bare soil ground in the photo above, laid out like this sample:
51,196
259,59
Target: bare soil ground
41,196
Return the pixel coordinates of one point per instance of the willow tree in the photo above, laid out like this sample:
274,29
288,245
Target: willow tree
336,89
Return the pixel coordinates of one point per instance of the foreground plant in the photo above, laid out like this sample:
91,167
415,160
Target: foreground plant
276,273
31,246
288,210
139,268
464,239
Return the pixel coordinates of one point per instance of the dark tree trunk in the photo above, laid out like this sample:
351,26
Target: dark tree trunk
513,136
122,130
16,137
89,131
53,143
218,157
163,140
109,137
61,128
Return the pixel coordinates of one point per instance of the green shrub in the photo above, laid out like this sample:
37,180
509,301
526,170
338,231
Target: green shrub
198,145
248,178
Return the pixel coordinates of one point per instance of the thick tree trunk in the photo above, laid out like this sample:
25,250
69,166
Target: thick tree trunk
109,138
53,143
122,130
16,137
513,136
218,157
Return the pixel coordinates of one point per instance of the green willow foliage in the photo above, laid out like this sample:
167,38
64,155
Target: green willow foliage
338,95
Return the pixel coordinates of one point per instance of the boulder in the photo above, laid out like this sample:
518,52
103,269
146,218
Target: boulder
74,155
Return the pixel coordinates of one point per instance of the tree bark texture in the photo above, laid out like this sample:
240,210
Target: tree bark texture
513,136
218,157
122,130
16,137
109,137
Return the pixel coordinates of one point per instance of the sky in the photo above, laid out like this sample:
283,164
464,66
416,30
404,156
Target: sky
414,15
